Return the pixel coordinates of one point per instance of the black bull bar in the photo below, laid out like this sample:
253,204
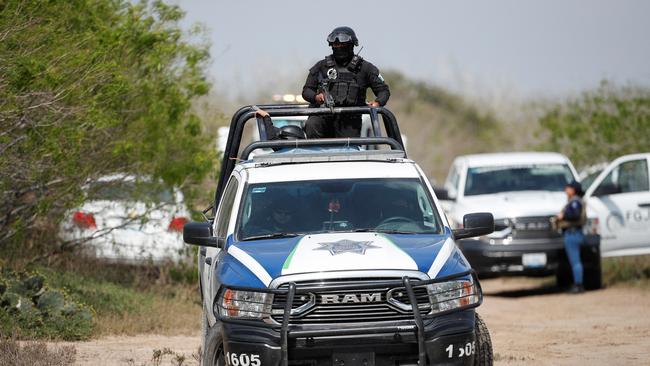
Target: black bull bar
406,282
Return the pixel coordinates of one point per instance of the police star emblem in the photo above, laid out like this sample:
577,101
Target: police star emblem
347,246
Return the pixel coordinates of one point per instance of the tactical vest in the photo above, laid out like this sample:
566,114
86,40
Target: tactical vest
564,224
342,81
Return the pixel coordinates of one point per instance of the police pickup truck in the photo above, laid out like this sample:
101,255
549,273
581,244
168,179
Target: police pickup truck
327,252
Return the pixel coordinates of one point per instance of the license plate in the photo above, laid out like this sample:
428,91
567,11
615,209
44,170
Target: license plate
534,260
367,359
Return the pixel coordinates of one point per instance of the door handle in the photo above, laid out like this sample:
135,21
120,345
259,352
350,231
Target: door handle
208,261
203,251
646,204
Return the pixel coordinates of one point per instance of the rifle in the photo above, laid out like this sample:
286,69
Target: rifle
323,87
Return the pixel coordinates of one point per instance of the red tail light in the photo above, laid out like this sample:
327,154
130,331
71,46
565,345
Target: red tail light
177,224
84,220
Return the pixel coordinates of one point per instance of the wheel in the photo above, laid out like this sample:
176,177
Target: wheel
212,351
483,356
593,276
204,328
564,277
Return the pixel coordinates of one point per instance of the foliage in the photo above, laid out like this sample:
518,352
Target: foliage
600,125
130,300
96,300
30,308
89,88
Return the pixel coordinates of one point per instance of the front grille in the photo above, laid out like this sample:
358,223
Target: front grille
364,300
534,227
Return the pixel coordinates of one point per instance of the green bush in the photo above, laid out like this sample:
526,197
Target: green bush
130,300
90,88
30,308
600,125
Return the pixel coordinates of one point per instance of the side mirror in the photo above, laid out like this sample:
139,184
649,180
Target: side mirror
441,193
475,224
200,233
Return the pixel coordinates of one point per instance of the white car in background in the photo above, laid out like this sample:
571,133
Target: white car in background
620,198
128,219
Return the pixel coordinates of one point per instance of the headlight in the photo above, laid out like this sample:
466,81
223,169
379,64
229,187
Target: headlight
437,297
452,294
243,304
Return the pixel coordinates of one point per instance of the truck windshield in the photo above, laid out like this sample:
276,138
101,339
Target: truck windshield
395,205
495,179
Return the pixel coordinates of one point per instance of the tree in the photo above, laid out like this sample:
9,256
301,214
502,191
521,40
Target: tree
90,87
600,125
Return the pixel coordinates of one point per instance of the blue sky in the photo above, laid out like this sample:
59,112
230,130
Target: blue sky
549,48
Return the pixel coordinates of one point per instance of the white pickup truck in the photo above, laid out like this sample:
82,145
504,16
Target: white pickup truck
523,191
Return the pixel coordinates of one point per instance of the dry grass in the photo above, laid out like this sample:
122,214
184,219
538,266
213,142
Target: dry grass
169,311
632,270
130,301
174,358
13,353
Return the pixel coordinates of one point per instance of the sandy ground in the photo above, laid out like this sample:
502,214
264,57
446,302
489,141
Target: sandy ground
530,324
533,324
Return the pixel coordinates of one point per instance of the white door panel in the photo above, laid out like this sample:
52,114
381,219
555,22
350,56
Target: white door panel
624,225
621,201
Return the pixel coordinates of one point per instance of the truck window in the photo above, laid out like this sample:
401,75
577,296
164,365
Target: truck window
347,205
225,209
537,177
630,176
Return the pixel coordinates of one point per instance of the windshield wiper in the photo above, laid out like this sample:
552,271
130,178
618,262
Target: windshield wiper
271,236
384,231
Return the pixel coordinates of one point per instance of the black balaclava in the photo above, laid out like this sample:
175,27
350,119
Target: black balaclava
344,54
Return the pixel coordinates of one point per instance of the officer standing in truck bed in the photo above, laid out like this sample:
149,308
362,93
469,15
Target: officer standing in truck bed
346,77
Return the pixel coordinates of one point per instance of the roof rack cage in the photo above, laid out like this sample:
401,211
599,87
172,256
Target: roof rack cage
246,113
353,141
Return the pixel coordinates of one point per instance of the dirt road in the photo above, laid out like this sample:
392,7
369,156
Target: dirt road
530,323
536,325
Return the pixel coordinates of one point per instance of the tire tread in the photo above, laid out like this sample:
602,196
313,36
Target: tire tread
484,356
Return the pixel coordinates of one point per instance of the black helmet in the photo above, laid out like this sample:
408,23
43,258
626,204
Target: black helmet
292,132
342,35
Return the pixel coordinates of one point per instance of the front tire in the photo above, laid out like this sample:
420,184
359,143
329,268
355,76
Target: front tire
593,276
212,352
564,277
483,356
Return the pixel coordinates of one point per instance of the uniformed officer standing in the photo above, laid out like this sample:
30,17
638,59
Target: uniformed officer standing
571,220
347,77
